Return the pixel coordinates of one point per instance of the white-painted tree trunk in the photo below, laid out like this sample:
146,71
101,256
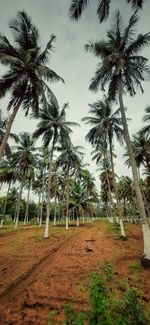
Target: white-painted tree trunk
46,232
27,205
146,237
1,224
123,235
67,222
77,222
18,206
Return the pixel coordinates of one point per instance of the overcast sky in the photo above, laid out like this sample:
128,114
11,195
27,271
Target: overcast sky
75,65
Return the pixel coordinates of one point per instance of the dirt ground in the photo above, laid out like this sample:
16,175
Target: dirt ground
40,276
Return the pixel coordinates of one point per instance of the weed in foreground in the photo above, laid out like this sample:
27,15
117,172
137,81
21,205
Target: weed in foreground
135,267
110,306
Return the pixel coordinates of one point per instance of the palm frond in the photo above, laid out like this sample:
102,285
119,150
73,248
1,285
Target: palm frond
103,10
76,8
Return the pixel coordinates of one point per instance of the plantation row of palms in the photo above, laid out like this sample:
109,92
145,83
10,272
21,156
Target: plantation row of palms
121,69
30,166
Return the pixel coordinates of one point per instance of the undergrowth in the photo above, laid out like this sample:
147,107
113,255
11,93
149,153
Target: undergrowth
111,304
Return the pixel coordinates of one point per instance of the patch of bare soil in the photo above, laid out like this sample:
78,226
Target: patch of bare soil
38,276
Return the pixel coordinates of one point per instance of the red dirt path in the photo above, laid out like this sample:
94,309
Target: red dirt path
38,276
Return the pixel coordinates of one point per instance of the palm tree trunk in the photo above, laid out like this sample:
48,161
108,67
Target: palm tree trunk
46,233
18,205
38,212
8,128
5,205
55,204
123,235
109,198
140,203
27,205
42,199
67,200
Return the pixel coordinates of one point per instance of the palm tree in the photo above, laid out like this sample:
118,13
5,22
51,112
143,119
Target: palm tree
123,69
69,160
107,187
106,124
27,73
126,192
79,199
78,6
8,174
106,181
53,127
146,118
25,159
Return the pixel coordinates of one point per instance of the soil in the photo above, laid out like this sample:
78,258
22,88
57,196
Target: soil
40,276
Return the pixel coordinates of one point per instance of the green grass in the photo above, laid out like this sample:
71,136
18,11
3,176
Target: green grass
135,267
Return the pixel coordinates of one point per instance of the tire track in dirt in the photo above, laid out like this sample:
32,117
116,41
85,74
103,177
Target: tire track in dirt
34,269
29,293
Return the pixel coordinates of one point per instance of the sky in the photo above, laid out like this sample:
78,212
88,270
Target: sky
76,66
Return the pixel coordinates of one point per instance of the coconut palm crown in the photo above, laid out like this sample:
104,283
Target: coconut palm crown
120,59
27,73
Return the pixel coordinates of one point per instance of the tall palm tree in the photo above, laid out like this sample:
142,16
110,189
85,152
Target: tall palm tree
69,160
27,72
122,69
78,6
106,125
52,127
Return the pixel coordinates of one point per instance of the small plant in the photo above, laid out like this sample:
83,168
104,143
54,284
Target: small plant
51,318
72,318
135,266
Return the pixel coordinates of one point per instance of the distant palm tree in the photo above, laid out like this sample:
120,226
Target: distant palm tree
78,6
105,125
52,127
126,192
25,158
122,69
106,178
79,199
69,160
27,73
8,174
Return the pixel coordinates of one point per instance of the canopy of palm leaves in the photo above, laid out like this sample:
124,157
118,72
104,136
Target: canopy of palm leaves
103,9
53,124
105,124
119,58
25,61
